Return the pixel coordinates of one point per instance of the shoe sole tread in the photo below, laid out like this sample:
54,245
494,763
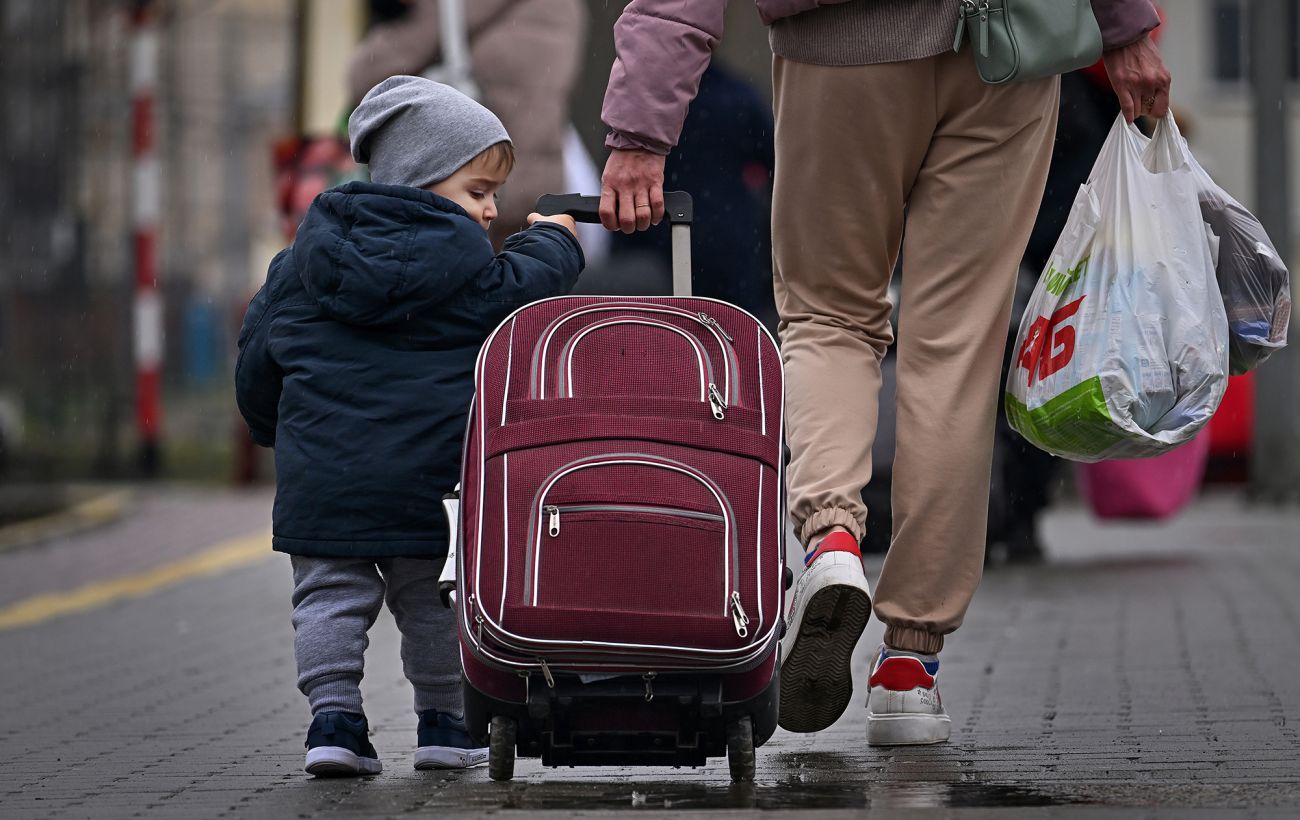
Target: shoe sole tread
817,677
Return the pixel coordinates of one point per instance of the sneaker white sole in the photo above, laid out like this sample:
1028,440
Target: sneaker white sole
449,757
816,672
907,730
336,761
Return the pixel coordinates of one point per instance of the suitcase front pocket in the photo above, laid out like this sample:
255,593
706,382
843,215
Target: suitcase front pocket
625,558
618,350
592,549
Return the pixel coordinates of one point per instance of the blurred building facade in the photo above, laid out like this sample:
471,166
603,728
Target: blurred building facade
235,77
225,94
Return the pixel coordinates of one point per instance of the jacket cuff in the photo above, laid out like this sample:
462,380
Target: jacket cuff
619,141
573,240
1124,22
262,439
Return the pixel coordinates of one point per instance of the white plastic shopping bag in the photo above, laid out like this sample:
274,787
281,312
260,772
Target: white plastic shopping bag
1123,351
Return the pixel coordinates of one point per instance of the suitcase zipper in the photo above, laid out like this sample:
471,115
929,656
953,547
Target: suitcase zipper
716,403
553,512
709,321
738,616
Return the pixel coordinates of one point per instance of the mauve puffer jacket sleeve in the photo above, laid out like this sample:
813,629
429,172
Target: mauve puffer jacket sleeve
661,49
663,46
1124,22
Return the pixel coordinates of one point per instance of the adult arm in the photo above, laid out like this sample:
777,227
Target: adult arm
258,379
661,49
1133,63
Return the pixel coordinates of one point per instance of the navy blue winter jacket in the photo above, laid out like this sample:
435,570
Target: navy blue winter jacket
356,362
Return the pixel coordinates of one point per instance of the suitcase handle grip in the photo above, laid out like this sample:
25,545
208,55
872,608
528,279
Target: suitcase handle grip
678,207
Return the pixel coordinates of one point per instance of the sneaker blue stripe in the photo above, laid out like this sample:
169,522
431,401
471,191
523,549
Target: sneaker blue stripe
931,667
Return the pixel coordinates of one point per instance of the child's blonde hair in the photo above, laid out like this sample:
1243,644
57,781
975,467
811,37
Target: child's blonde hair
499,157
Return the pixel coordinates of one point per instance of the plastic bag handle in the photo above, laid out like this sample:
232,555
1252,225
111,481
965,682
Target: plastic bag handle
1166,151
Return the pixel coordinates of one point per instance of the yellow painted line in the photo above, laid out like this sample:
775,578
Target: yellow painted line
102,509
223,557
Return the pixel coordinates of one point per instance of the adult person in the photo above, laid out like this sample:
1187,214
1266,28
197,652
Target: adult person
724,157
875,113
524,55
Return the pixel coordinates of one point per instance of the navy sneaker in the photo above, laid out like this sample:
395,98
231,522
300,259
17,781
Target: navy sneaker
444,743
338,745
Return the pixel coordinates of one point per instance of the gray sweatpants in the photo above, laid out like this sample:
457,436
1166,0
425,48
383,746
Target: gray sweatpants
335,602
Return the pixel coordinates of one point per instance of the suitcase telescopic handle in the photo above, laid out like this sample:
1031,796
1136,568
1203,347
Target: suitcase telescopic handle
678,207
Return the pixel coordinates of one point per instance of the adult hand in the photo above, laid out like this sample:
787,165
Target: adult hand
1140,79
632,190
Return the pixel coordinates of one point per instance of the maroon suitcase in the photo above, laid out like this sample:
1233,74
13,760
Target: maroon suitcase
620,566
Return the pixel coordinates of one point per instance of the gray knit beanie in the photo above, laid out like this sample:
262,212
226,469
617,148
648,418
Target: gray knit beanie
413,131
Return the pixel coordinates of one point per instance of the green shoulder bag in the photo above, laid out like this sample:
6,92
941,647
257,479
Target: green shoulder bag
1028,39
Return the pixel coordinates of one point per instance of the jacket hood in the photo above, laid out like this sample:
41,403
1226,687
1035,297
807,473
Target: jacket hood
373,254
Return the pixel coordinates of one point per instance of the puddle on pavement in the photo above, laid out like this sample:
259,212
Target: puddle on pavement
788,794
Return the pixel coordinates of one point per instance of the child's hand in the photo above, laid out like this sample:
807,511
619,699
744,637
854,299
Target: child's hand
559,219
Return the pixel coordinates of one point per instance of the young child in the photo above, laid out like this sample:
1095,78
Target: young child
356,363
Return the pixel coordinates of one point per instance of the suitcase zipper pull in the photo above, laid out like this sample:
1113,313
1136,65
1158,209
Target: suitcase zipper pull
554,513
478,617
649,678
546,673
738,616
717,403
709,321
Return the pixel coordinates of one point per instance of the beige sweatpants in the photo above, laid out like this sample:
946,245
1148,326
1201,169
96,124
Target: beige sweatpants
861,151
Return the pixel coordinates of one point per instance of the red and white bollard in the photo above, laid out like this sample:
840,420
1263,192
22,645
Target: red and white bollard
148,309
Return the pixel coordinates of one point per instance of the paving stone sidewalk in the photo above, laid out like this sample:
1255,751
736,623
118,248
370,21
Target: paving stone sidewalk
1146,671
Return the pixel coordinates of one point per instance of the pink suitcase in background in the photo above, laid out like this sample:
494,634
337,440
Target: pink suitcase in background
1147,488
620,566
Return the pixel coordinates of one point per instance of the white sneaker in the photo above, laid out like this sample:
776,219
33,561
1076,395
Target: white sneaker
903,704
449,757
828,612
444,743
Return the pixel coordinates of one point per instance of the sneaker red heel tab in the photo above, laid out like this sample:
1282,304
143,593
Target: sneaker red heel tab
835,542
901,674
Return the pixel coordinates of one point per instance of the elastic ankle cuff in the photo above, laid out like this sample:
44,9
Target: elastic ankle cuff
824,519
445,699
336,694
910,639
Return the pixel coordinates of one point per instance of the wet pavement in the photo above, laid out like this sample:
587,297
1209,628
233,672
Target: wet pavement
1146,671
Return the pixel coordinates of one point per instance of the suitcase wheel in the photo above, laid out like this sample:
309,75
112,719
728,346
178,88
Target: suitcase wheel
501,748
740,749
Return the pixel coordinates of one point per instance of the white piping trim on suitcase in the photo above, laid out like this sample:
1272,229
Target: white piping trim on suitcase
602,664
782,513
605,664
701,355
505,529
598,654
762,398
510,360
758,539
